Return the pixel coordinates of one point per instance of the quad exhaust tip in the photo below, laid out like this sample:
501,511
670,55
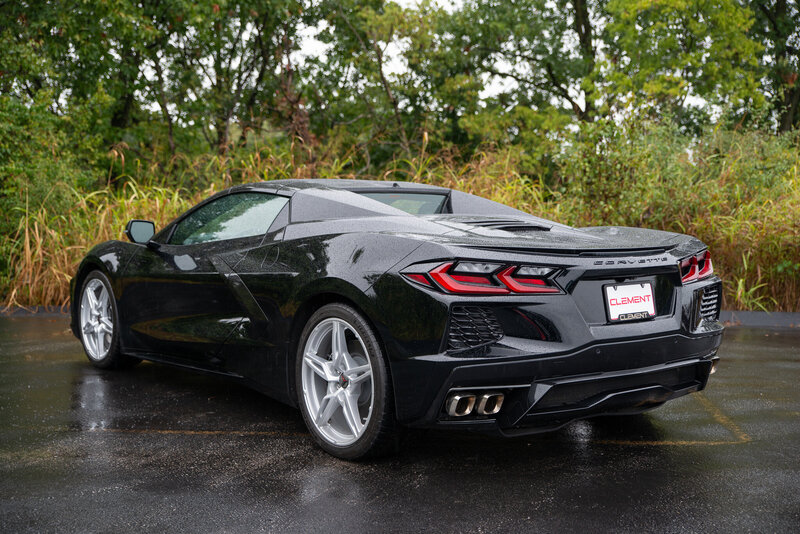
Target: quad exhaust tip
490,403
460,404
463,403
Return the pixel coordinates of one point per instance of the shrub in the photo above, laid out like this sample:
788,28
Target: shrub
738,191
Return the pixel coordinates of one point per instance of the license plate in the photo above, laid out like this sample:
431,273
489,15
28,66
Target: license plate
630,302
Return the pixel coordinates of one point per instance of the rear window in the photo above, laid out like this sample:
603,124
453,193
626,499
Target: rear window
413,203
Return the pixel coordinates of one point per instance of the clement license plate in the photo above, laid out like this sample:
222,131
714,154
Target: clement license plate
630,302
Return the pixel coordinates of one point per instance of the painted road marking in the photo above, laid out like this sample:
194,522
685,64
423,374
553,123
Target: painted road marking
269,433
718,415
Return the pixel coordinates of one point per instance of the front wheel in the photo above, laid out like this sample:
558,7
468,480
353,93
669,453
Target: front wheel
99,324
344,391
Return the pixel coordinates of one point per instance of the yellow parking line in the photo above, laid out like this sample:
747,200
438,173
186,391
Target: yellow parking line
268,433
723,419
716,413
672,443
711,408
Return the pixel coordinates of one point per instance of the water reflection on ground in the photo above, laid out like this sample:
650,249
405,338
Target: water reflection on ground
162,448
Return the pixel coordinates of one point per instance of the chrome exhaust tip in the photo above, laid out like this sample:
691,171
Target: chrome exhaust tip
460,404
490,403
714,366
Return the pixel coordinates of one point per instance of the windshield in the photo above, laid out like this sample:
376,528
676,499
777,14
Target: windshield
413,203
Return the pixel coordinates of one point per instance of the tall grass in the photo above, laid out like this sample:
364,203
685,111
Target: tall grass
738,192
47,247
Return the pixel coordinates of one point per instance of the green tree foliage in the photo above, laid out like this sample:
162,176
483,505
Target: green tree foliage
664,53
777,28
355,90
43,157
187,77
543,53
100,94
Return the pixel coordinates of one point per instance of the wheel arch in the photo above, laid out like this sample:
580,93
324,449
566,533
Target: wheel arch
304,312
88,265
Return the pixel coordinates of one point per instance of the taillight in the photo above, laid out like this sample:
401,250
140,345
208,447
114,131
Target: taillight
696,267
485,278
419,278
474,273
520,284
705,266
477,284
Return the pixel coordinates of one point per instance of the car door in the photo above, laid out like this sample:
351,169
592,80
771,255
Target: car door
182,298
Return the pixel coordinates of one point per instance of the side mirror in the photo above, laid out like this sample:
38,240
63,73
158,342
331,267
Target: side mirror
140,231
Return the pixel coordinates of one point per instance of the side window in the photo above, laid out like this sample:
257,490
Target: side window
230,217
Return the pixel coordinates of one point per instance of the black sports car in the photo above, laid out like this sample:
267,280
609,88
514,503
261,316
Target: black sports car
375,306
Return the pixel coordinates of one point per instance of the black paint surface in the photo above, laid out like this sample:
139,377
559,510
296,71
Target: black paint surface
236,307
161,449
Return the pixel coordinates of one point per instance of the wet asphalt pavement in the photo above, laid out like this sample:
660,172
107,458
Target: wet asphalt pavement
159,449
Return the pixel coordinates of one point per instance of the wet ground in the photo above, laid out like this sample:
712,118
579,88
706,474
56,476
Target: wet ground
158,449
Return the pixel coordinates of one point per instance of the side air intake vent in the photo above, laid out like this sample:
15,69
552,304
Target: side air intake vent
471,326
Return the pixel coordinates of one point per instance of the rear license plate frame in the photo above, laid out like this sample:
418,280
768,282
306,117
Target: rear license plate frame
645,312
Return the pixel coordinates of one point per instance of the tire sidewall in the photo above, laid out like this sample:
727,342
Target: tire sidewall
380,378
112,357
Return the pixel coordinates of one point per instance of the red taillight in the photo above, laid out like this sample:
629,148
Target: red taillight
524,285
419,278
689,270
696,267
450,283
707,268
485,278
471,279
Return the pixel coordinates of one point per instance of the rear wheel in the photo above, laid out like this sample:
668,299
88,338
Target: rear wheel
99,323
344,391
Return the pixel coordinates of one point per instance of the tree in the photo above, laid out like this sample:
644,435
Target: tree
229,61
663,54
532,44
777,28
355,86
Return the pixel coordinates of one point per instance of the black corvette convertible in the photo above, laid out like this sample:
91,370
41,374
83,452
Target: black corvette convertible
375,306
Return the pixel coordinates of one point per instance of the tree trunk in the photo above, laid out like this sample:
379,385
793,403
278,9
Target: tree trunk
162,102
785,78
583,27
122,116
123,111
791,100
221,125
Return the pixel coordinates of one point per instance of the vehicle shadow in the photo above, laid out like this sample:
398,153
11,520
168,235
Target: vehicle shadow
160,397
155,398
576,438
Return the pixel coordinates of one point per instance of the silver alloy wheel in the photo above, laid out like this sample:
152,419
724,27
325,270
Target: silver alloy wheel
337,381
97,323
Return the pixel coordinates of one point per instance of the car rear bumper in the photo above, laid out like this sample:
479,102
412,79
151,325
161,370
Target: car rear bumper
543,392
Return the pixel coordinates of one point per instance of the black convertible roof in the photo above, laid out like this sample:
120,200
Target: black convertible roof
334,198
315,199
343,184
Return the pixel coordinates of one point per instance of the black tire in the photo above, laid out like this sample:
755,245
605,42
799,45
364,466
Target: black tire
381,435
112,358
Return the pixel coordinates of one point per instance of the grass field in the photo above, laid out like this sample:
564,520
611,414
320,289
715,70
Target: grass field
739,192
